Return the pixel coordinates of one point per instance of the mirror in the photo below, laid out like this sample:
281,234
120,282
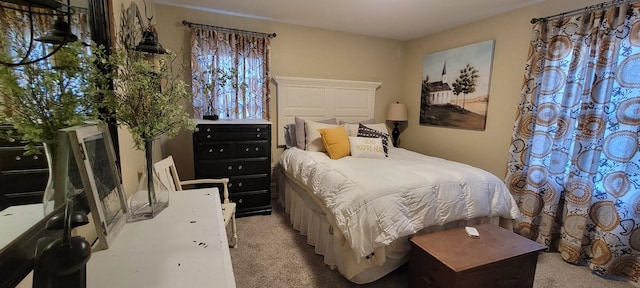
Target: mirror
16,253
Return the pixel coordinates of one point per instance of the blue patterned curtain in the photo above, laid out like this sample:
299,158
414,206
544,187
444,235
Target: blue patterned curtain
574,165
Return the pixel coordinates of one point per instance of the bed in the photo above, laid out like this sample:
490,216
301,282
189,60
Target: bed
358,211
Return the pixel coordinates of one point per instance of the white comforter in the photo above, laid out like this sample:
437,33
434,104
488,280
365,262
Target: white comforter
376,201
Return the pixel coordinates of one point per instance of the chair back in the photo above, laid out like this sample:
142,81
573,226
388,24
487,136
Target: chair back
168,174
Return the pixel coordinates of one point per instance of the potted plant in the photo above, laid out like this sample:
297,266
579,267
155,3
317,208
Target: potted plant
147,99
40,98
212,83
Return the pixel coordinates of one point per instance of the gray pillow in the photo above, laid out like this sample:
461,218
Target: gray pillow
368,121
301,141
290,135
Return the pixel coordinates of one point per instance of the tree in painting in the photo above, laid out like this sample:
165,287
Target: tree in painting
466,82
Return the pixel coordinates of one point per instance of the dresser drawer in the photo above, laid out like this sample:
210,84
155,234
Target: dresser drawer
248,183
231,167
21,181
249,200
228,150
208,133
13,158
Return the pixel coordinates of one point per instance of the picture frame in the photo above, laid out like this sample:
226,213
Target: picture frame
95,158
455,86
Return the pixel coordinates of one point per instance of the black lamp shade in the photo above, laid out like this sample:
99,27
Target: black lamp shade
60,34
149,43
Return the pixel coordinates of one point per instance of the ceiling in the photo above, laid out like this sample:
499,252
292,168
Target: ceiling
392,19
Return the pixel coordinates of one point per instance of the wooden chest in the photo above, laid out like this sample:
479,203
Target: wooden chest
450,259
241,151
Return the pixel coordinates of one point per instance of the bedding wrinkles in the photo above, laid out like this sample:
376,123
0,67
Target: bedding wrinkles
376,201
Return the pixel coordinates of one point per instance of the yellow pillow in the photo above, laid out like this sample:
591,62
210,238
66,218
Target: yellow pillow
336,141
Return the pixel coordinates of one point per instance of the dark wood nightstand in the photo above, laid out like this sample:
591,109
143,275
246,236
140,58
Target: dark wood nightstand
448,259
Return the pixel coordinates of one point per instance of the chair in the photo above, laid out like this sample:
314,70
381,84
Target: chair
168,175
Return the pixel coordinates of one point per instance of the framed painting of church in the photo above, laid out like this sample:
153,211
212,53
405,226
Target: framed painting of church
455,87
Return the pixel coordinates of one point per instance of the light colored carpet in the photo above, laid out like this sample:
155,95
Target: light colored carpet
271,254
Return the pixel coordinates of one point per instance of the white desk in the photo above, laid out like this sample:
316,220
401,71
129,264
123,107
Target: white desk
184,246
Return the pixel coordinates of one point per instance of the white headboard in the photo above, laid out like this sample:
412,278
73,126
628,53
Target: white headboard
317,99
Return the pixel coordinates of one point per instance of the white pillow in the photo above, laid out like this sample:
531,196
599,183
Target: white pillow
300,130
352,129
380,127
313,137
363,147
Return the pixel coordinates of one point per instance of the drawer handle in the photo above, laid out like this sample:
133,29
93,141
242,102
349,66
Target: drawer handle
258,129
229,168
257,135
208,136
240,184
210,150
239,167
247,149
35,157
257,149
230,184
208,129
18,158
221,150
240,201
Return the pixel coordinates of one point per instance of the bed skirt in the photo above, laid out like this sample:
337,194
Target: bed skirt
311,219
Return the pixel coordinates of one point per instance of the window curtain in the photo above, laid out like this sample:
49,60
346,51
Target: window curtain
15,27
574,166
230,74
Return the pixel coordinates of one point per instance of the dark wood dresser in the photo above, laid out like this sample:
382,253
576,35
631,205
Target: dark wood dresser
241,151
23,178
452,259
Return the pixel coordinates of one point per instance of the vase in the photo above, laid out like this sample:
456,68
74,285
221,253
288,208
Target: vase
64,180
151,196
48,195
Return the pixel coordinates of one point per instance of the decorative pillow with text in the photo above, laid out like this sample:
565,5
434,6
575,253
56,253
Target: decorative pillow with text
364,147
364,131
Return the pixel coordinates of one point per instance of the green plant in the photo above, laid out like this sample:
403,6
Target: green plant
148,95
39,99
221,81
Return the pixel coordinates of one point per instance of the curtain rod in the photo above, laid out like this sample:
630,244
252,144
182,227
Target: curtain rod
585,10
191,24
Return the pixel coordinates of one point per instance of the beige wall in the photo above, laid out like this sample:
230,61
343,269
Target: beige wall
307,52
297,51
486,149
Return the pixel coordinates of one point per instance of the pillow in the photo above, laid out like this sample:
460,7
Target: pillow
300,130
290,135
352,129
336,141
363,147
382,128
364,131
314,140
368,121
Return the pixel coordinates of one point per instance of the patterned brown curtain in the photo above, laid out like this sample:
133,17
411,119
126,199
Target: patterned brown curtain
15,26
574,165
230,74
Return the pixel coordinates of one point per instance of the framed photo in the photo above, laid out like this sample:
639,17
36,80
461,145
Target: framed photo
455,86
95,157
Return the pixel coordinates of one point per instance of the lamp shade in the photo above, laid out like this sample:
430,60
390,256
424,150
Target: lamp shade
397,112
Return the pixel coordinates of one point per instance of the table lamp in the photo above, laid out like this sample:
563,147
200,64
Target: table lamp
397,113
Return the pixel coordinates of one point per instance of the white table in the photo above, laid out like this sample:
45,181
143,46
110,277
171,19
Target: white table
15,220
184,246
